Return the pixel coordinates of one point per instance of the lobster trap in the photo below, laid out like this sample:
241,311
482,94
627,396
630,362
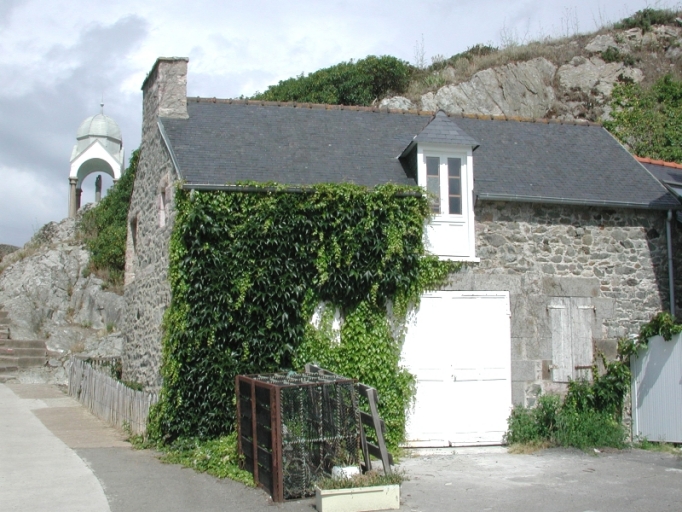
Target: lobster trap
294,427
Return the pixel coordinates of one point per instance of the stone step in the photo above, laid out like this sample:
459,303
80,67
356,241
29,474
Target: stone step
7,369
3,314
25,344
8,350
4,332
22,362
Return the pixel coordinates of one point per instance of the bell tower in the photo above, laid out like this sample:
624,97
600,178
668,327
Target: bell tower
98,149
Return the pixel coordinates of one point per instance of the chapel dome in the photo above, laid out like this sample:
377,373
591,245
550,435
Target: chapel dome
99,129
99,126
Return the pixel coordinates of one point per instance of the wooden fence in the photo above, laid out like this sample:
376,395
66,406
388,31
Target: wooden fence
107,398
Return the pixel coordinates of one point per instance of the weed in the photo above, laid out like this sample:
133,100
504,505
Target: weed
78,347
645,18
369,479
612,54
110,328
645,444
218,457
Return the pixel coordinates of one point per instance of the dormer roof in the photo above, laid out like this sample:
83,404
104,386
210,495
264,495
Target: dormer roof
444,130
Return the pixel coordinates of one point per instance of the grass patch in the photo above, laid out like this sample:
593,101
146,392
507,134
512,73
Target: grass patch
218,457
529,447
645,444
369,479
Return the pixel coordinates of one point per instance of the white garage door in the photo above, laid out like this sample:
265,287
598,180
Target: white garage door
458,347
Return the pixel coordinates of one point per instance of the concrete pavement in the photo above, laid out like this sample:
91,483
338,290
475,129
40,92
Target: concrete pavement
56,456
38,471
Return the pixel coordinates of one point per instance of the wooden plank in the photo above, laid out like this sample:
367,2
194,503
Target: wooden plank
562,352
368,420
375,451
372,398
582,317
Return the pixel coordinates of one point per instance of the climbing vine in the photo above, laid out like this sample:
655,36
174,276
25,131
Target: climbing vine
248,272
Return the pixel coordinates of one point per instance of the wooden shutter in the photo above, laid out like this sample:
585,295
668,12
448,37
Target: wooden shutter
571,324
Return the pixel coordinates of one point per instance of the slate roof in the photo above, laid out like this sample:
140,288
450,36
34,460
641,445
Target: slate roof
441,130
666,172
223,142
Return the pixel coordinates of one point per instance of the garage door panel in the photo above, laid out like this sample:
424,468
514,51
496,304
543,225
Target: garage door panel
458,347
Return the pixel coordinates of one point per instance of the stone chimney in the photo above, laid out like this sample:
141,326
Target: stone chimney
164,91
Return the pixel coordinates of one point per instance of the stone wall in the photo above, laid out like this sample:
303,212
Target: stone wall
147,290
617,258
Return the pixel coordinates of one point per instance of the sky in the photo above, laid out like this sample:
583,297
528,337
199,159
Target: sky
60,58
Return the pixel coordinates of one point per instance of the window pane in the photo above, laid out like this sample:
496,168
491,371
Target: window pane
454,167
433,187
433,182
455,205
455,185
432,164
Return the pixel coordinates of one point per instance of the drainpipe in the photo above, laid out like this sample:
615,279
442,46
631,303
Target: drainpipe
671,279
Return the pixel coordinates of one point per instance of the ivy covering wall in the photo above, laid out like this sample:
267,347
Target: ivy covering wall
248,271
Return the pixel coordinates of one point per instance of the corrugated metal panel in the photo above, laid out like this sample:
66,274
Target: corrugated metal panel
657,391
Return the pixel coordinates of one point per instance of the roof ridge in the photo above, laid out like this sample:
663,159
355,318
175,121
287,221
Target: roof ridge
663,163
386,110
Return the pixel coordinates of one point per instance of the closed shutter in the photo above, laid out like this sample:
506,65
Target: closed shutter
571,324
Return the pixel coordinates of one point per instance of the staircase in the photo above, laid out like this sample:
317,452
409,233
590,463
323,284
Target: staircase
15,354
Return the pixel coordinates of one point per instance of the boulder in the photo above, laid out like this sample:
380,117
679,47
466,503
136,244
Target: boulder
519,89
397,102
594,76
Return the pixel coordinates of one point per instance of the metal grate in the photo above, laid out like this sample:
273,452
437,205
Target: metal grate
294,427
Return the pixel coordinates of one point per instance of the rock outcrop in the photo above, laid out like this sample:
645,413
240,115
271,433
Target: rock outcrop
49,294
580,87
523,89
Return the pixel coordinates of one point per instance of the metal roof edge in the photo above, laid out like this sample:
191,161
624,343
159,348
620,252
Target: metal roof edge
573,202
169,146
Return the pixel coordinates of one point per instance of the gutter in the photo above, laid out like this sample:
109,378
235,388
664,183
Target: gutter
266,190
671,277
485,196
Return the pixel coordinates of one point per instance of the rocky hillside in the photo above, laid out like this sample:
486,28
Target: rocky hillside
561,79
49,294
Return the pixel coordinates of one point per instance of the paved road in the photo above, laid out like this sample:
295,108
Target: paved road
55,456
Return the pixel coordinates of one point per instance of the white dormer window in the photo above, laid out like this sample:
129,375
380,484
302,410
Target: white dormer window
446,172
444,183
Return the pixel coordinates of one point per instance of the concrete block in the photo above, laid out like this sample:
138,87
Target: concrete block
460,281
609,347
525,371
538,347
571,286
518,349
498,282
519,393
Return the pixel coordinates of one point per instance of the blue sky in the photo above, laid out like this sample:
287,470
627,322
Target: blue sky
59,57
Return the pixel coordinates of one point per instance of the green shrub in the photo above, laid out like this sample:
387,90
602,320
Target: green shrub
347,83
612,54
533,425
645,18
588,428
649,121
104,227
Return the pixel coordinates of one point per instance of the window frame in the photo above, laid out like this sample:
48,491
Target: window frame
465,219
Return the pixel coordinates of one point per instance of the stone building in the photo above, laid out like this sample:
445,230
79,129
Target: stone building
567,238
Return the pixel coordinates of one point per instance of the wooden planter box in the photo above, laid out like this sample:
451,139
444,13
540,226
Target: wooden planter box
358,499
